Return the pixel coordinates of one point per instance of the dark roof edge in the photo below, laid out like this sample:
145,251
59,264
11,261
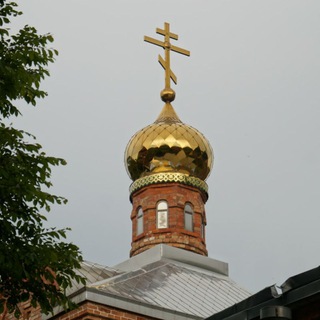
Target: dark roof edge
296,288
301,279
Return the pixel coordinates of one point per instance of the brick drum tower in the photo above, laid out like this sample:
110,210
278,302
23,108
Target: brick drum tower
168,162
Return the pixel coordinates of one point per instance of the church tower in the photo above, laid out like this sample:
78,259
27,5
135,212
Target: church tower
168,162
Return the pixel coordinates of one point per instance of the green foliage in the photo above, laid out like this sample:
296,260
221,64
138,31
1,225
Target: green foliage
35,263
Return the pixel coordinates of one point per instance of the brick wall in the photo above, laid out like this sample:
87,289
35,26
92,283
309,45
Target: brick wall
91,311
176,195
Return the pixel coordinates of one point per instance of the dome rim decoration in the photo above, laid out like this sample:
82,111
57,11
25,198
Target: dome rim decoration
165,177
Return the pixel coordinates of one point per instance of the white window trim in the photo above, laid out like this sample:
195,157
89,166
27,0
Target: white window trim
188,214
140,226
162,215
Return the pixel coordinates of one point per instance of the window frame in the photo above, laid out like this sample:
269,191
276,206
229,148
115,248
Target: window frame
188,217
140,224
202,228
162,214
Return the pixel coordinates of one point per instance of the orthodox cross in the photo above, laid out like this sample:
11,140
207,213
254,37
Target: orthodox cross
167,46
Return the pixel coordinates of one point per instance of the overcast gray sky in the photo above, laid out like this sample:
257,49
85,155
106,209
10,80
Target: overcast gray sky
251,86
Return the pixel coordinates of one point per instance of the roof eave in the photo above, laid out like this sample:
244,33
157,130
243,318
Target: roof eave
103,298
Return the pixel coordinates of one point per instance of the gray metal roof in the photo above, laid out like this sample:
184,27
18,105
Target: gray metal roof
163,282
180,288
93,272
174,279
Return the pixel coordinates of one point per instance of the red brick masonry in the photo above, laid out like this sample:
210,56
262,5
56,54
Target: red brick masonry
91,311
85,311
176,195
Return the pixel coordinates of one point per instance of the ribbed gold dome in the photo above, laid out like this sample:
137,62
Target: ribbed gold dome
168,145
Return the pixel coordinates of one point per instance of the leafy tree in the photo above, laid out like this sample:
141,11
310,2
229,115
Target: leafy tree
36,265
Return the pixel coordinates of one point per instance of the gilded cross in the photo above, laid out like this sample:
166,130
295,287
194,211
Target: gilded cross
167,46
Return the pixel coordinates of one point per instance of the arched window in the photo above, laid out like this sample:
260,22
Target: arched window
188,217
139,221
162,215
202,228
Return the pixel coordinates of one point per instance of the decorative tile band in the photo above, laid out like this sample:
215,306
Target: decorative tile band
167,177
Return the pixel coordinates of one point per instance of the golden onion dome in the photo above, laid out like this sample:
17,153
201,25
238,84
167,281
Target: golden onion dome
168,145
